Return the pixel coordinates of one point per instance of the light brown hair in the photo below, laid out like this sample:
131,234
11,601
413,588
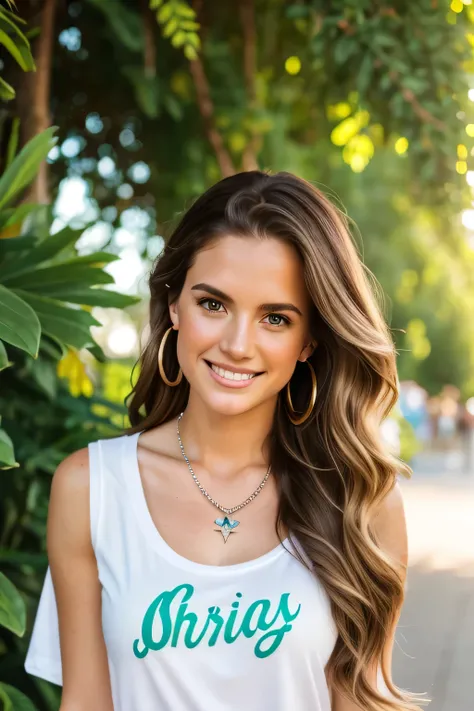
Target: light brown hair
334,470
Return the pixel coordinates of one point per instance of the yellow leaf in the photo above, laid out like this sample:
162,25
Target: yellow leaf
170,28
72,368
401,145
178,39
190,53
338,111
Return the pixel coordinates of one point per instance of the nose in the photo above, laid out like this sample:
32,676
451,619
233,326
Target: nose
238,339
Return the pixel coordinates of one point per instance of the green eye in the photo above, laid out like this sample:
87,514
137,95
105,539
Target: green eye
210,301
282,319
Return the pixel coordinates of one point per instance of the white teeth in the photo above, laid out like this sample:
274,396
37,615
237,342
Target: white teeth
230,375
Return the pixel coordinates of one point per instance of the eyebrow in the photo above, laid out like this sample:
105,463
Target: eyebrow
263,307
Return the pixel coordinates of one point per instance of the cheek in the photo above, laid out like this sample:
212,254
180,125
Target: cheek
281,350
197,331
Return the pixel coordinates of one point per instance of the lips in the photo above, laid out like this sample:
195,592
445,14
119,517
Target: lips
242,379
243,371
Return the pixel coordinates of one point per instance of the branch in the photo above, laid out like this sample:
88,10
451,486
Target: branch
247,18
149,43
40,117
206,108
418,109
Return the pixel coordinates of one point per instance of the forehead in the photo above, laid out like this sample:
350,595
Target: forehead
261,266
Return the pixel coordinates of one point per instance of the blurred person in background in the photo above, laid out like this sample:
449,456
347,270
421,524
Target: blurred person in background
243,544
464,428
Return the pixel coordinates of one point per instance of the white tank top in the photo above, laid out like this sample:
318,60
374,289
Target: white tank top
184,636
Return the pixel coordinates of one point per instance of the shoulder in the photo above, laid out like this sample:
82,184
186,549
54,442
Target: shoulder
72,474
68,514
389,526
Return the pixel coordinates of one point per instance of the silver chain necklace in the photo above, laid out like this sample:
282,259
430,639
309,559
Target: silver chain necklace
226,524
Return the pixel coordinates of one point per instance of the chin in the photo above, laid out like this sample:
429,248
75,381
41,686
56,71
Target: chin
225,407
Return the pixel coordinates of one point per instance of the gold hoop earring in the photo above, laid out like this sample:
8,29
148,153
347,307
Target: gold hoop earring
290,409
171,383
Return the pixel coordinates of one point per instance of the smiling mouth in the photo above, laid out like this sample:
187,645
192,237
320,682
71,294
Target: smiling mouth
231,375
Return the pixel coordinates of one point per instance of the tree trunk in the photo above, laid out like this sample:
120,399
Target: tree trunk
33,95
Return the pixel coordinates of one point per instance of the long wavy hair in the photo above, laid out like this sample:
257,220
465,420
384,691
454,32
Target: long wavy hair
333,470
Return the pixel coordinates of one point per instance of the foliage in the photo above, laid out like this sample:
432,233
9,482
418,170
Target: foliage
18,46
46,292
44,284
46,295
178,22
369,100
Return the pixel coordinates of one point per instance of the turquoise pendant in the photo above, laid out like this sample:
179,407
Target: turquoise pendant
226,525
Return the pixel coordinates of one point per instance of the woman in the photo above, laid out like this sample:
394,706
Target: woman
243,546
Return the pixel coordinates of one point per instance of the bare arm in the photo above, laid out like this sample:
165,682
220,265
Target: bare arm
86,681
390,528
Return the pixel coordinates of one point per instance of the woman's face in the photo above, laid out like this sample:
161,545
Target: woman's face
243,311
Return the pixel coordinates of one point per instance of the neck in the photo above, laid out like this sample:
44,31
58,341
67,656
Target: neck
226,444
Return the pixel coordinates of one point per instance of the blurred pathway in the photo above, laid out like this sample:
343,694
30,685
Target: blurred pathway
434,650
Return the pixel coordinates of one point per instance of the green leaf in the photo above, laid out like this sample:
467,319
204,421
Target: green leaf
12,607
415,84
41,279
344,49
189,25
52,347
98,353
147,90
170,27
44,374
14,50
7,92
42,251
93,297
124,22
96,259
17,558
15,244
7,455
13,141
62,349
16,215
4,362
178,39
190,53
295,12
194,40
184,10
364,76
14,700
172,104
16,18
381,40
9,23
25,166
68,325
19,325
164,13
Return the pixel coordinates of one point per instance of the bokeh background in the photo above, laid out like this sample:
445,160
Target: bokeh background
115,115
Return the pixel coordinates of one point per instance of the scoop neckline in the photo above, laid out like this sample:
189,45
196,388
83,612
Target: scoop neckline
153,535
